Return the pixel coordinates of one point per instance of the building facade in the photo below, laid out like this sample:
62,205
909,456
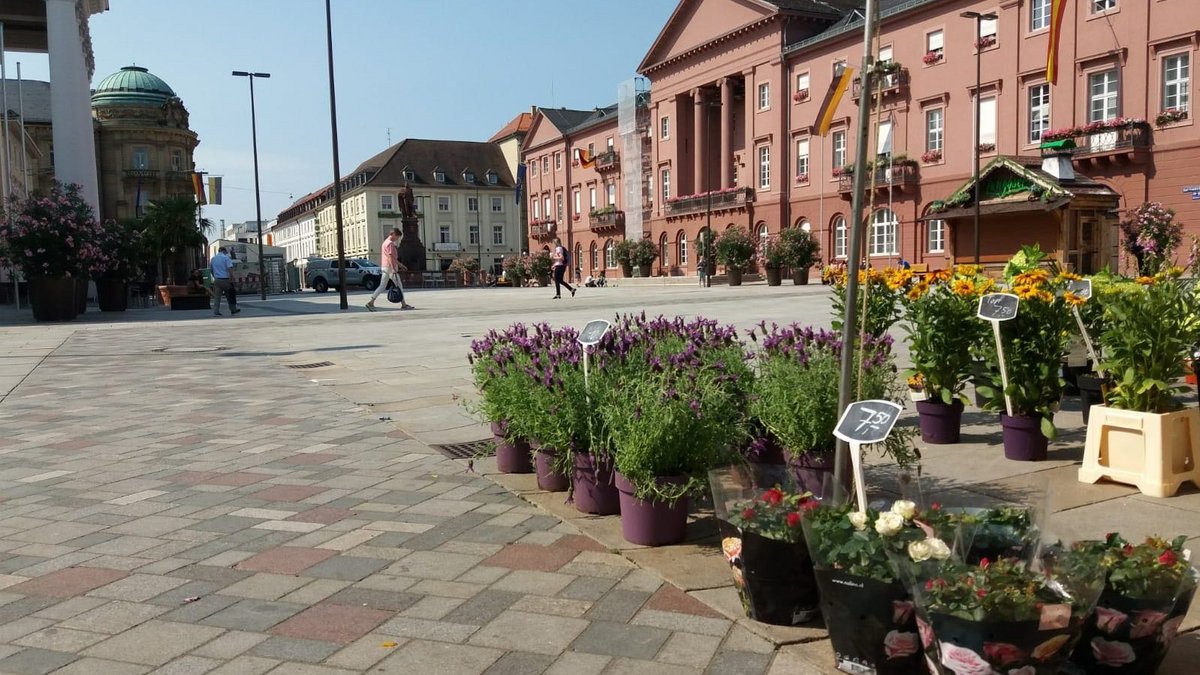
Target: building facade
737,85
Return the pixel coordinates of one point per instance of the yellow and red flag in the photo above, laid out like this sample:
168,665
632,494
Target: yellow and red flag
837,88
198,188
1058,9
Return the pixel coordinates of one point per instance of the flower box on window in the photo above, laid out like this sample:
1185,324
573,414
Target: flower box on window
1170,116
800,95
985,41
987,147
932,57
931,156
801,178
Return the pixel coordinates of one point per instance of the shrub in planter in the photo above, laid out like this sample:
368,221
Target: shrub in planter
497,363
1150,235
623,252
884,291
643,255
516,269
735,248
540,267
466,267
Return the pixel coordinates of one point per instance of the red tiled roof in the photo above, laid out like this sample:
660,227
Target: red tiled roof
519,125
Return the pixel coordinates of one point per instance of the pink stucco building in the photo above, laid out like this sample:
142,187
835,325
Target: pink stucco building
736,88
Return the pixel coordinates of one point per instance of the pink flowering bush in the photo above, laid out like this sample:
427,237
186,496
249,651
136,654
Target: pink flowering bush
52,236
1150,235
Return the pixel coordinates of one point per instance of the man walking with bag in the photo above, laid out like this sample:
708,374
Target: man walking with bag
562,260
222,271
390,262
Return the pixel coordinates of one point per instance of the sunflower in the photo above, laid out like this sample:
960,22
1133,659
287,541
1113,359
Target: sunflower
1025,292
1173,272
897,278
917,291
940,275
1069,276
968,270
963,287
1045,296
1146,281
985,286
1073,299
1031,278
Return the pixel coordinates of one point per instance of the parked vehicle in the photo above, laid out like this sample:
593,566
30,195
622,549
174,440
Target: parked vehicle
321,274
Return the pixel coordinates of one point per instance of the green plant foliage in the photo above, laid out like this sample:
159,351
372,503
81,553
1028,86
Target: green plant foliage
884,291
801,248
735,248
623,251
541,265
943,332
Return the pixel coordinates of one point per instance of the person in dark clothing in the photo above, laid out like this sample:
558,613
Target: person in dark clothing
561,265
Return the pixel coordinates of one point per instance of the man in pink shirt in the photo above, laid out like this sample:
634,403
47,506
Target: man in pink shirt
390,262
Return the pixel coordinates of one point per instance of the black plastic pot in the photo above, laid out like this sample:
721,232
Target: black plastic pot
872,625
773,578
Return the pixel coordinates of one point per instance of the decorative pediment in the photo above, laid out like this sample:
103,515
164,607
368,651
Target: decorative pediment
1005,179
696,23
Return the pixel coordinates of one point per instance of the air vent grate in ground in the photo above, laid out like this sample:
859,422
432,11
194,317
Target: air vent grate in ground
467,450
305,366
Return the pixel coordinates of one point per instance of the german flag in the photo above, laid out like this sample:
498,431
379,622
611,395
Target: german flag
837,88
1058,8
581,156
198,188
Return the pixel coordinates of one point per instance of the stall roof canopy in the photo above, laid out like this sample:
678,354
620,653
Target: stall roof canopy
1015,185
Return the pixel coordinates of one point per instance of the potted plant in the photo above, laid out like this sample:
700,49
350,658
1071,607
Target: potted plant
623,252
1146,359
735,250
883,298
672,397
932,57
52,238
466,266
642,257
803,252
1170,116
773,254
516,269
540,267
796,395
1149,588
991,533
1035,343
760,511
1150,235
942,333
931,156
558,417
119,252
868,610
497,367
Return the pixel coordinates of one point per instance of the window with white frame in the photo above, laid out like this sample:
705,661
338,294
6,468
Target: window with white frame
935,129
802,83
546,164
497,235
763,232
883,137
802,160
141,158
472,205
1103,97
558,205
610,254
611,145
764,95
683,259
937,236
1103,5
439,176
497,204
533,167
592,197
664,128
805,226
546,206
885,54
443,234
1039,111
537,209
839,149
473,234
468,177
1176,81
883,233
387,202
764,167
576,202
591,150
987,27
493,179
595,256
558,161
839,237
177,160
611,189
935,43
666,184
443,204
987,120
1039,14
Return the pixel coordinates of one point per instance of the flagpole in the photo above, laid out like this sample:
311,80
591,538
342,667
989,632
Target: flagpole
6,164
21,111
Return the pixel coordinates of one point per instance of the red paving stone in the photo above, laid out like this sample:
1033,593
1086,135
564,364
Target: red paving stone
531,557
288,493
233,479
78,444
310,458
68,583
326,515
186,440
578,542
331,622
668,598
285,560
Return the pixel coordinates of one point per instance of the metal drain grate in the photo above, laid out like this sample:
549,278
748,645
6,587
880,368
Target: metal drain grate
305,366
188,350
484,448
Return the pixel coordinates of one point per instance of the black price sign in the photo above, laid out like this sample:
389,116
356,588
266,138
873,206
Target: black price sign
866,422
593,332
1081,287
998,307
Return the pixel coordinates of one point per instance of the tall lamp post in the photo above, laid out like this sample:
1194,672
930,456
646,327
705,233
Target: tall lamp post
706,240
337,166
979,19
262,265
478,228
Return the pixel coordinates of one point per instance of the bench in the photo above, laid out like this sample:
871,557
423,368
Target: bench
179,298
919,269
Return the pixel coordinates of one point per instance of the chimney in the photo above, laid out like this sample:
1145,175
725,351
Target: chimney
1059,165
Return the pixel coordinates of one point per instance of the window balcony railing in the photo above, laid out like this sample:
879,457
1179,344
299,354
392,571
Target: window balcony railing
606,220
451,246
893,82
608,161
1099,140
721,200
177,175
543,229
885,176
141,173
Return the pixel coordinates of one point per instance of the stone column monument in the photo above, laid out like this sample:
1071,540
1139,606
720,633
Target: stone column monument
412,251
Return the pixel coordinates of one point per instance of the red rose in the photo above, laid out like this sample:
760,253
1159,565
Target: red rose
773,496
793,519
1168,558
983,563
1002,653
1128,550
810,505
747,514
981,593
935,506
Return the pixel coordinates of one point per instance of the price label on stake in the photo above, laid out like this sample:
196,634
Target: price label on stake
1080,287
1083,288
997,307
592,333
863,423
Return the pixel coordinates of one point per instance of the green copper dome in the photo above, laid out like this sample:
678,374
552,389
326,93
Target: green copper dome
132,85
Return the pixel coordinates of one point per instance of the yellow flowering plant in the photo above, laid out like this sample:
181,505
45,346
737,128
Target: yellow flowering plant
943,331
884,289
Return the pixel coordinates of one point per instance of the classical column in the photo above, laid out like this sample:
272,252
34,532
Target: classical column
70,101
698,130
748,159
726,85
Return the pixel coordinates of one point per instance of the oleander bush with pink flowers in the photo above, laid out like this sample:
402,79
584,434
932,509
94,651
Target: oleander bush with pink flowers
54,235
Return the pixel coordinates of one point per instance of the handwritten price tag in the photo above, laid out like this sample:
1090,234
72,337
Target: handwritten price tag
1081,287
593,332
998,307
867,422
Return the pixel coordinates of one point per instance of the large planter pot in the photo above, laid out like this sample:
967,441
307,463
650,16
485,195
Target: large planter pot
735,276
112,295
940,423
550,478
512,456
644,270
774,579
593,488
872,625
1155,452
651,523
1023,438
1091,392
627,271
812,469
774,276
543,281
800,276
53,299
81,289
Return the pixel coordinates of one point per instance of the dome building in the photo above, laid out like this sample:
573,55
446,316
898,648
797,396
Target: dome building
144,146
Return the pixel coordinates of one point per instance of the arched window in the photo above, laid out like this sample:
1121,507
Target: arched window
683,252
936,234
804,225
595,257
610,255
883,233
839,237
664,251
763,233
578,256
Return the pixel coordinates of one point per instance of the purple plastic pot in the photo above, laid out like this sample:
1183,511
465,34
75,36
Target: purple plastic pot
652,523
812,469
940,423
594,489
1023,438
548,478
511,456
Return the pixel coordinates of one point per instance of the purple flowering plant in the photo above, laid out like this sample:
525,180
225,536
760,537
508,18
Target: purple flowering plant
54,235
1150,235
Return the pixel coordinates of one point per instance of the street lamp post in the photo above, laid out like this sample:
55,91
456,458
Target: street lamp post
706,240
262,264
337,165
979,19
478,228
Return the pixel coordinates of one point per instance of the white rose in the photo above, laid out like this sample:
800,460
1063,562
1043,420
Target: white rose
920,551
938,549
858,520
904,508
889,524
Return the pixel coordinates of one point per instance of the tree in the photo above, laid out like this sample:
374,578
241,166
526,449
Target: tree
171,230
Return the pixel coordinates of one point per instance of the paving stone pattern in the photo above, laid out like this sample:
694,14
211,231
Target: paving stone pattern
205,513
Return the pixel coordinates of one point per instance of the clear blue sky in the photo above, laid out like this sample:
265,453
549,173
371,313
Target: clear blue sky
452,69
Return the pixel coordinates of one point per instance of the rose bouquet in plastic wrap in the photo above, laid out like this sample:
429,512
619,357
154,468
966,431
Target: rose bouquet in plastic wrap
992,533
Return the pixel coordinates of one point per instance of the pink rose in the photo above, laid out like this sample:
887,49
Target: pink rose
898,645
902,611
1109,620
1002,653
1112,653
1146,623
963,661
1170,629
926,632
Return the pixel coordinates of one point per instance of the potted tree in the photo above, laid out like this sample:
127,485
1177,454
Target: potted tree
467,267
773,253
642,257
516,269
540,267
802,250
123,246
735,250
943,332
171,232
623,252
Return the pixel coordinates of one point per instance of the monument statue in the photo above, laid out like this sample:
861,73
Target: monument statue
411,250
